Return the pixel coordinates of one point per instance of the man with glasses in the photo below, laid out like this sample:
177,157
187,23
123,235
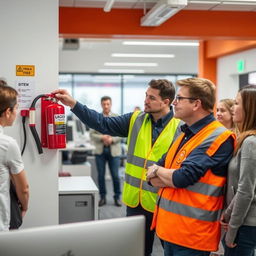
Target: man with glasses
193,175
150,134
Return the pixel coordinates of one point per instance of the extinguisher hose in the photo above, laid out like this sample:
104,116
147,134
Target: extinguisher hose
25,134
32,123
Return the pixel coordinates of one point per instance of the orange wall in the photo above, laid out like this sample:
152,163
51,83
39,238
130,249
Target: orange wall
221,32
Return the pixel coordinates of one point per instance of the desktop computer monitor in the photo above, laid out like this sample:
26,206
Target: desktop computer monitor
112,237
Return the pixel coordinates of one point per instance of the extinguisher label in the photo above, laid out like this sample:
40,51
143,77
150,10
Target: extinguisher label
59,120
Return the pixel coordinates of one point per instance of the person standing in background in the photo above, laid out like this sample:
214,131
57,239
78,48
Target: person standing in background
11,164
224,113
150,134
239,218
193,178
107,149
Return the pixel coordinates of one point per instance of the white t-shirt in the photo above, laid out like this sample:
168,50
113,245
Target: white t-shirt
10,162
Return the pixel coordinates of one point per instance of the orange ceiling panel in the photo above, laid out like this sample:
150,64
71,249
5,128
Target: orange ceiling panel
121,23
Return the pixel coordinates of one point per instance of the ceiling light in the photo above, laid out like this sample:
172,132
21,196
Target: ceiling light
128,64
160,43
121,71
204,2
238,3
161,11
142,55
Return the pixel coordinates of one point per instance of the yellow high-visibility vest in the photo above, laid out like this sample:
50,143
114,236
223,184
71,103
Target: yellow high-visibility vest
141,154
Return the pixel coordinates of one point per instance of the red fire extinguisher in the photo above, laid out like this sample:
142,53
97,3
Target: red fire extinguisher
53,127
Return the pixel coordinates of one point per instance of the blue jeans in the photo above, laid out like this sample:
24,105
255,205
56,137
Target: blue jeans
171,249
245,240
113,163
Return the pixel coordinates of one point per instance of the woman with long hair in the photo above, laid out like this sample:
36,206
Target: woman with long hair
239,218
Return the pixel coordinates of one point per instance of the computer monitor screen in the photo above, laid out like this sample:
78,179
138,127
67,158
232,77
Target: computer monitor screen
79,126
69,133
112,237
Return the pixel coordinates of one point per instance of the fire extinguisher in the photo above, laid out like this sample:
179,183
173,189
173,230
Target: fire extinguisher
53,127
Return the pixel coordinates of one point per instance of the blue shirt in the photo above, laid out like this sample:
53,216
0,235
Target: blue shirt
117,125
198,162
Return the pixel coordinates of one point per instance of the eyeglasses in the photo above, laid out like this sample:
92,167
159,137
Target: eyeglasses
179,98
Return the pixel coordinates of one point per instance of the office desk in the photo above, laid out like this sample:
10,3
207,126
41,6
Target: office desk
78,199
80,169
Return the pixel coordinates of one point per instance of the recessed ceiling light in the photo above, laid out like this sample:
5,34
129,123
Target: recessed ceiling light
121,71
129,64
142,55
238,3
152,43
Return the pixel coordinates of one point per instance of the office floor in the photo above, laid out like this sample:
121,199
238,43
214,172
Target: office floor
111,211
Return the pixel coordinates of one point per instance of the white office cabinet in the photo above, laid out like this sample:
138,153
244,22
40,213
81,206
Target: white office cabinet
78,199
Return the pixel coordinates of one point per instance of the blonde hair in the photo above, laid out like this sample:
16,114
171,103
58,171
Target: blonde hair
202,89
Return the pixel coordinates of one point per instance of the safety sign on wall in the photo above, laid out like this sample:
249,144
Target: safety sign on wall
26,92
25,70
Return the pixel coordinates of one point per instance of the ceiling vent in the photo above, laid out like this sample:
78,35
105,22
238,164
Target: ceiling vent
162,11
70,44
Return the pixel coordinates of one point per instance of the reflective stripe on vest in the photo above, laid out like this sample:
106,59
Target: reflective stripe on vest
196,209
142,154
189,211
135,182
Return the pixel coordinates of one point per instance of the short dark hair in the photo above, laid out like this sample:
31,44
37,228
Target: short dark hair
8,97
166,88
104,98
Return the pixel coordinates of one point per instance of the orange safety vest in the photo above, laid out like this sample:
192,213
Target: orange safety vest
189,216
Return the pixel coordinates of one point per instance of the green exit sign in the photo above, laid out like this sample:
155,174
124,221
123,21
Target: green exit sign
240,66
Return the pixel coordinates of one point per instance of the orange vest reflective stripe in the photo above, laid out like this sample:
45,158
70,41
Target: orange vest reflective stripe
190,216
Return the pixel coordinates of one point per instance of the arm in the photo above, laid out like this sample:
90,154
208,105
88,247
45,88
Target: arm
96,136
114,126
22,190
16,167
195,166
246,188
160,176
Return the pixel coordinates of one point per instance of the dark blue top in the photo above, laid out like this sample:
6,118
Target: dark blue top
116,125
198,162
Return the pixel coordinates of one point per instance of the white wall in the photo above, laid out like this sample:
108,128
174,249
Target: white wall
227,78
29,36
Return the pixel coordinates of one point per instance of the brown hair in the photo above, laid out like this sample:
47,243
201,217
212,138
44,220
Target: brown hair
248,128
104,98
202,89
8,97
166,88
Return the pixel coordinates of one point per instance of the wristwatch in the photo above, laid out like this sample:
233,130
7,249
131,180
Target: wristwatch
156,167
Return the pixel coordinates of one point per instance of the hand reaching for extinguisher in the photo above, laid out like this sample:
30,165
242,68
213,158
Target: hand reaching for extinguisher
64,97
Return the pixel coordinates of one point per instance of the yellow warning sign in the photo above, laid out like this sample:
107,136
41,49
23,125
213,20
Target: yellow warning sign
25,70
